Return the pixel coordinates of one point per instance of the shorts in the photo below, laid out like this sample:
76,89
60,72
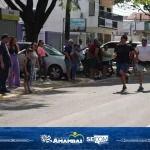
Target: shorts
121,67
143,64
105,63
68,65
93,63
27,78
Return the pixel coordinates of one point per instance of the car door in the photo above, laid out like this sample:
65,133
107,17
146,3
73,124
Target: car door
111,47
22,55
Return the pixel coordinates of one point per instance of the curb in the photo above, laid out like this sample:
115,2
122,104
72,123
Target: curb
21,93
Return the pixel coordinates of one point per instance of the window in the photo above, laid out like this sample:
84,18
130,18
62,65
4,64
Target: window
115,24
101,22
101,8
108,9
91,8
52,51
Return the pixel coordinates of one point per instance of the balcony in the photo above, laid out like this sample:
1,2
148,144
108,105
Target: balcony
109,15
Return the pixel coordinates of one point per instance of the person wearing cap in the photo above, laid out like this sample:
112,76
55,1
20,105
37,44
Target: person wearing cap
68,62
5,63
27,70
143,59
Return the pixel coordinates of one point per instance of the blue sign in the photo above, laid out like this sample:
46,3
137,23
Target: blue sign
75,138
77,25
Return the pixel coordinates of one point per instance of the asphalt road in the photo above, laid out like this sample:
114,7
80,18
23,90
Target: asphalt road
93,104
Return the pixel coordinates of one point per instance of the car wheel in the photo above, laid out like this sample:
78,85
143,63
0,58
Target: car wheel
55,72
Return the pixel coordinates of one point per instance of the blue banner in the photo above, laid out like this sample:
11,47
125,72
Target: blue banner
74,138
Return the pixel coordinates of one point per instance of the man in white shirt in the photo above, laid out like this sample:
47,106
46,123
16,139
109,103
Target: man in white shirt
81,49
143,57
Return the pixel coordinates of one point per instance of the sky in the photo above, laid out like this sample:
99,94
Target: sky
123,12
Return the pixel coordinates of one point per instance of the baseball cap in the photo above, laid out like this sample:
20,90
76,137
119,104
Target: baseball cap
5,36
71,40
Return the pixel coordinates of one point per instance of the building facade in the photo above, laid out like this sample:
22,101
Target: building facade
136,26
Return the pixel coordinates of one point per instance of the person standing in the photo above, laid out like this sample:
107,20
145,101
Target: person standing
75,57
94,58
42,60
122,52
67,52
5,63
106,58
35,62
81,50
14,73
27,70
143,58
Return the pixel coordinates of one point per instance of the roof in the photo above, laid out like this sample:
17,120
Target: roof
136,15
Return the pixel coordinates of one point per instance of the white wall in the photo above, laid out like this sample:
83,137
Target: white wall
126,26
55,20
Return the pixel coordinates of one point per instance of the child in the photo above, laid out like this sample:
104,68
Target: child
27,70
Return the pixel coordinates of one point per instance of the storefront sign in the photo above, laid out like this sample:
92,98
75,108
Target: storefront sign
8,14
78,25
108,23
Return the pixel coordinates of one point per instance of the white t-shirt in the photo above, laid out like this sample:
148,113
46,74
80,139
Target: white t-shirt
144,52
34,58
81,53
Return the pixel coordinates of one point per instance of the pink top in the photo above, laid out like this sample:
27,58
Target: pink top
41,51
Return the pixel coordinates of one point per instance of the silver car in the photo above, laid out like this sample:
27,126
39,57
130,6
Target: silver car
54,59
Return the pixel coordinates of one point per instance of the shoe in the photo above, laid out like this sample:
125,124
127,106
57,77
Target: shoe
123,89
127,79
41,80
47,80
2,92
140,89
7,91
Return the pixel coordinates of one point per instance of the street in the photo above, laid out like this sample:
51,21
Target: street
98,103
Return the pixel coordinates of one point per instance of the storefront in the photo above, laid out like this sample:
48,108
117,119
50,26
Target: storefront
9,22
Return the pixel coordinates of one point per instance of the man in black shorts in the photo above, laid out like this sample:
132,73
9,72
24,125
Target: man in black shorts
122,52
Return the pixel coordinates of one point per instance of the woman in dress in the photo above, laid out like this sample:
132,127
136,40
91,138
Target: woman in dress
14,74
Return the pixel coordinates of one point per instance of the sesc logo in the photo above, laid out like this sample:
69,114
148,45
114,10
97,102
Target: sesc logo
98,139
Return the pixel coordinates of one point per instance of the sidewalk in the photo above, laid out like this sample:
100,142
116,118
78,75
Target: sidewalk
43,87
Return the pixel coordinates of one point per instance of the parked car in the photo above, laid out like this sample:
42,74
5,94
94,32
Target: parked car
112,44
54,59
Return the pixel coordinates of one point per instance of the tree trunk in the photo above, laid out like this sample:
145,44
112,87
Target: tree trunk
32,32
67,22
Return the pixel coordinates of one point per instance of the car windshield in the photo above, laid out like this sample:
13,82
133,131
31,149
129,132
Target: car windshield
52,51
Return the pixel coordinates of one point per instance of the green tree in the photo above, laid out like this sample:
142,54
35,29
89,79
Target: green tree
141,5
33,19
69,5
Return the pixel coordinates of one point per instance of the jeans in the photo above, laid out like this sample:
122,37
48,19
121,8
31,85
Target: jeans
32,74
3,77
74,69
43,68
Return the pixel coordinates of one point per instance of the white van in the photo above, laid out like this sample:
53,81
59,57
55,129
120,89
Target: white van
112,44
